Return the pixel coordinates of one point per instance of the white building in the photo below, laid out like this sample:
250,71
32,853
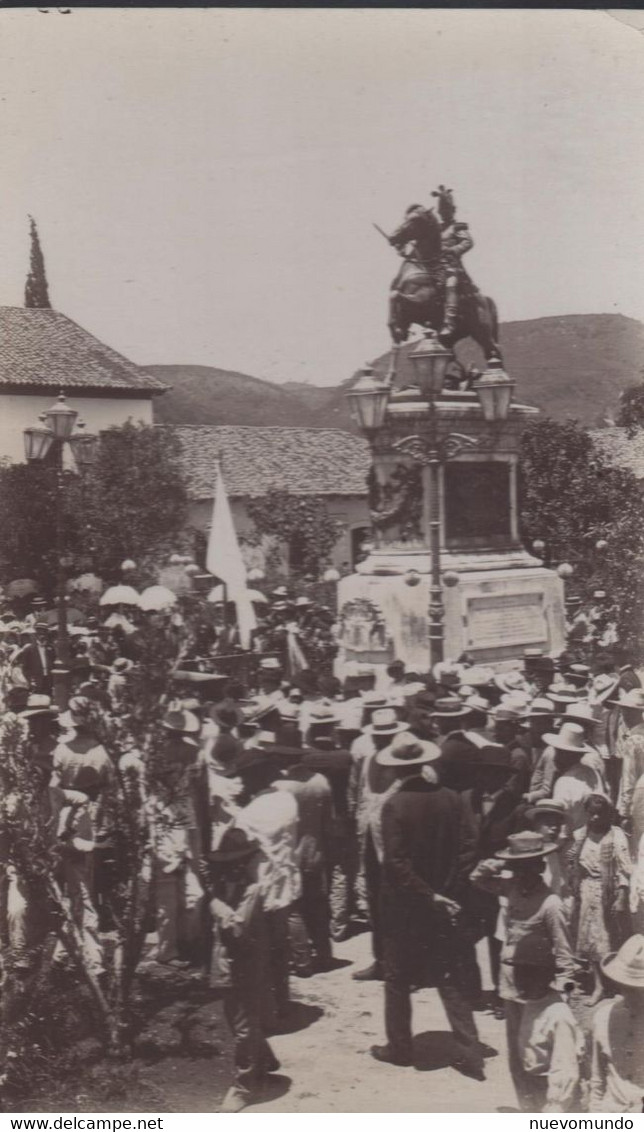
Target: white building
42,352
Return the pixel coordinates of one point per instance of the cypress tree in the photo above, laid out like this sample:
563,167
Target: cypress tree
36,289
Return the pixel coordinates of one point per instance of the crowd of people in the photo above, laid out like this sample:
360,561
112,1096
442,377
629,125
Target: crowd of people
451,814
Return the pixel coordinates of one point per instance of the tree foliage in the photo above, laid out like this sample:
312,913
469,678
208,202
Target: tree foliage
36,288
302,523
573,499
131,504
630,414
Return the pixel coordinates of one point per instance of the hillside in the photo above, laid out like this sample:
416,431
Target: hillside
569,366
205,395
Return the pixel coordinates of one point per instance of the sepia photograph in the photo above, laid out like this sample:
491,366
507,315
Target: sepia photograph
321,563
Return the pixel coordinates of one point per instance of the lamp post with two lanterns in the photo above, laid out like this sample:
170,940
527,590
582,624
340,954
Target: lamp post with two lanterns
56,430
369,401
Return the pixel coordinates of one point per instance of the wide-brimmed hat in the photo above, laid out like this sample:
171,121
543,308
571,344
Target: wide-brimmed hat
448,673
603,686
626,966
179,720
477,676
633,699
302,601
477,703
446,708
570,737
323,714
372,700
525,846
121,665
578,674
38,705
384,721
407,750
511,681
289,711
270,664
235,845
581,711
510,713
546,806
561,694
281,591
540,706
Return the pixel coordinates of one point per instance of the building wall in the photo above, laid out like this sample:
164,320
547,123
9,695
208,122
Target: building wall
351,511
19,410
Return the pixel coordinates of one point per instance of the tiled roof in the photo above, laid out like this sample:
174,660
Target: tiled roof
43,349
621,449
305,461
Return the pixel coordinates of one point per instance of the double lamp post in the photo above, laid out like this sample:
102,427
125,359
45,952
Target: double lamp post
369,399
49,437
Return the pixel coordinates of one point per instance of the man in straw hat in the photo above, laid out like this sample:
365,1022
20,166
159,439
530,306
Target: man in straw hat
631,748
270,816
532,911
576,780
239,961
424,837
368,781
617,1068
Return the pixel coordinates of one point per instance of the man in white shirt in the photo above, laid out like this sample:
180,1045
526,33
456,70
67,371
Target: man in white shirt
576,779
270,815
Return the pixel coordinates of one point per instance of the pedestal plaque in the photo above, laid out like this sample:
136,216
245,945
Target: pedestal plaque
504,620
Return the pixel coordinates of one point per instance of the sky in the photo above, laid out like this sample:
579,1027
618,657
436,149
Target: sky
205,181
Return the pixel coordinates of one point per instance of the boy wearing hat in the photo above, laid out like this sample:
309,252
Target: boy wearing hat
532,912
239,961
617,1069
549,1042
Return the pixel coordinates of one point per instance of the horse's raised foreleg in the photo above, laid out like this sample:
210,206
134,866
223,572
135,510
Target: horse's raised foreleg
397,327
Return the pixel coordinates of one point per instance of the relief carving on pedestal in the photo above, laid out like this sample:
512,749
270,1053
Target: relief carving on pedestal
362,626
398,502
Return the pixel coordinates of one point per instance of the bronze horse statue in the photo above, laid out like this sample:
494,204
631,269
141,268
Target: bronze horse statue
418,292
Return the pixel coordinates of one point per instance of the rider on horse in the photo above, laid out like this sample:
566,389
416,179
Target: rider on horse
455,242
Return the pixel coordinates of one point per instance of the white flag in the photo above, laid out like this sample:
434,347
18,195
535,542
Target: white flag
224,559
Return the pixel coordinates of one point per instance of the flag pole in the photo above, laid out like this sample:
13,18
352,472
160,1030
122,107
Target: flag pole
224,586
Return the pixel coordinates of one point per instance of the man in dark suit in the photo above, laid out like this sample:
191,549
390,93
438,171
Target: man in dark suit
37,660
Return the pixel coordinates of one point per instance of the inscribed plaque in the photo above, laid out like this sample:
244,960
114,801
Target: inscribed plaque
506,619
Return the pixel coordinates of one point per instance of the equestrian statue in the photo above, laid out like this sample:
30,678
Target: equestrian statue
432,288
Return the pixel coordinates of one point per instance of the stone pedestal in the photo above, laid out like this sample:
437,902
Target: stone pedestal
499,599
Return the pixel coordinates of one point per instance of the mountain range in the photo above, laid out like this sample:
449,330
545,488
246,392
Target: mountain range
570,366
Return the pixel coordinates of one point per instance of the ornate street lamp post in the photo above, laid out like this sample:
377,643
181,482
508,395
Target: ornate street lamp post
56,431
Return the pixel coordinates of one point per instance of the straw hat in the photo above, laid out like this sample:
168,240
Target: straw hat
603,687
38,705
525,846
511,681
581,711
448,673
478,703
179,720
322,714
450,709
626,966
546,806
384,721
633,699
564,694
570,737
540,707
407,750
478,676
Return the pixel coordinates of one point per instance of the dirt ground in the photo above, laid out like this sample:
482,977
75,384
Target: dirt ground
326,1065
